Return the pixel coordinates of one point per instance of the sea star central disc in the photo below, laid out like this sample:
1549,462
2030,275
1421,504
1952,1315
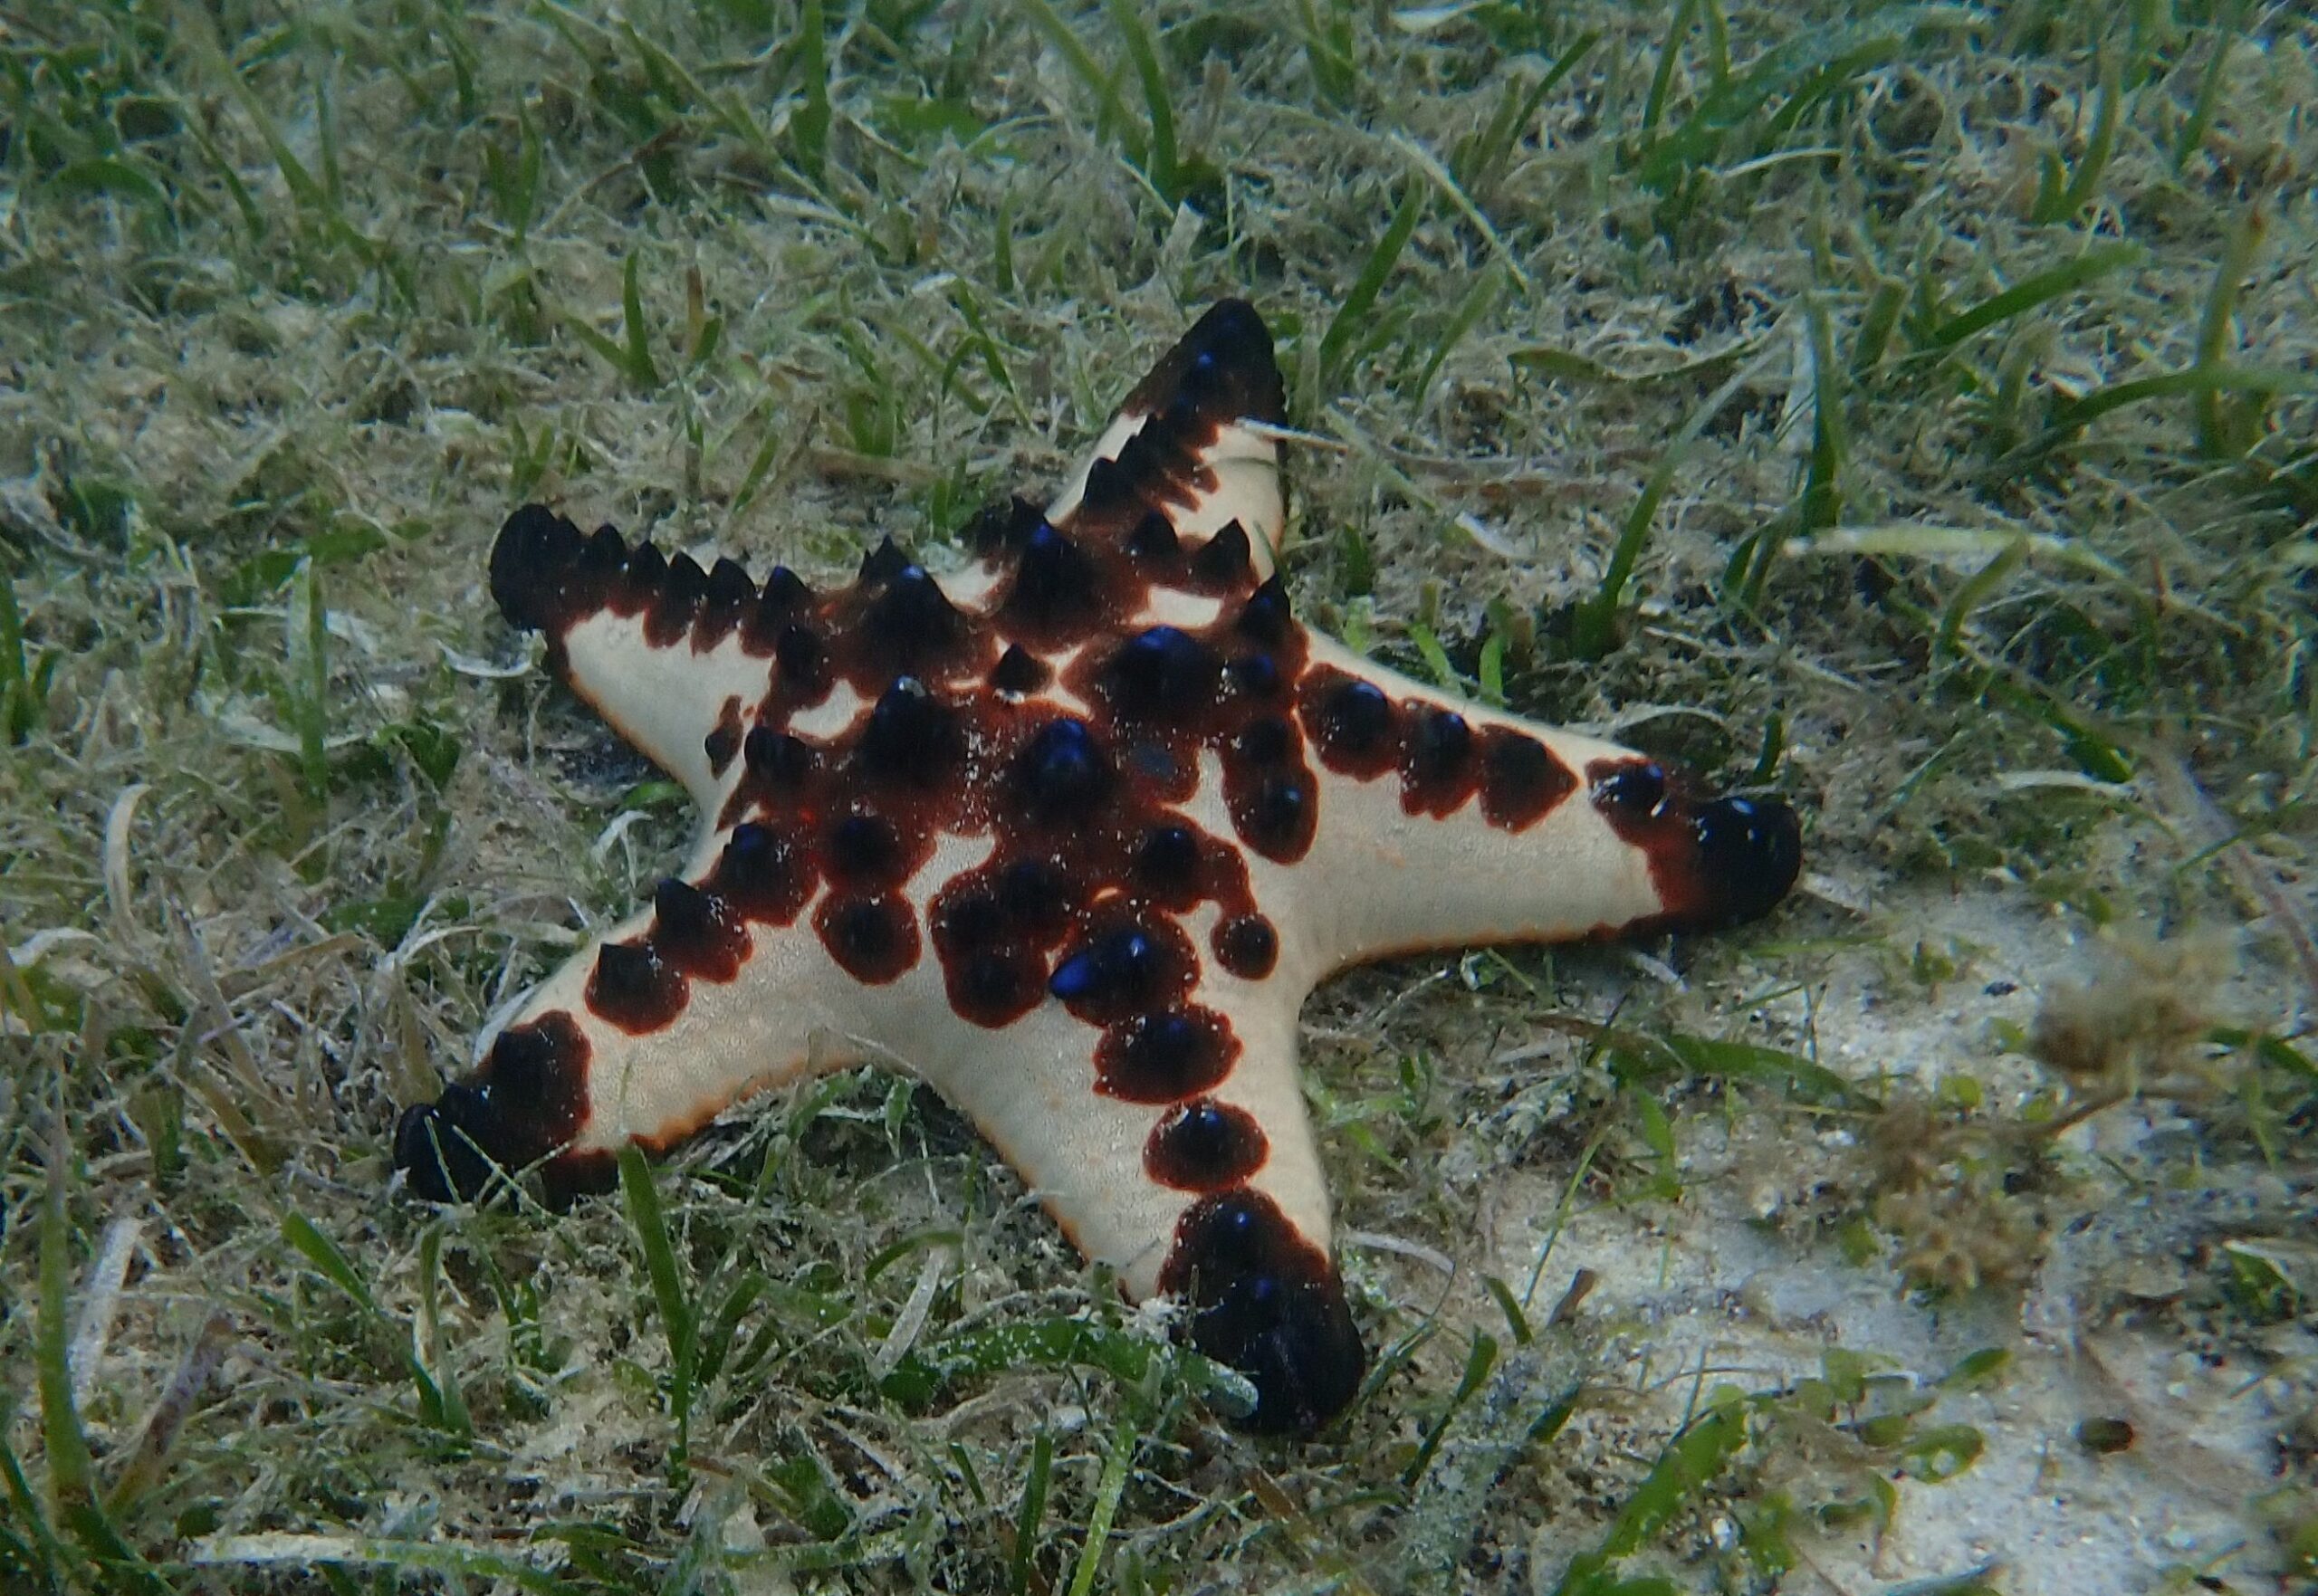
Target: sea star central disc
1069,837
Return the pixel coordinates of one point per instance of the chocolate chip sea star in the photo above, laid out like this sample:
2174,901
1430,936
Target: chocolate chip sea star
1069,835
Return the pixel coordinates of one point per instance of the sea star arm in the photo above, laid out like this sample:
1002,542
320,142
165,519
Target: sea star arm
675,659
1189,1168
1190,451
1489,827
649,1031
1493,828
1194,437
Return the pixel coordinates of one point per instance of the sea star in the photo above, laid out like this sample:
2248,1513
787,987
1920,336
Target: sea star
1069,836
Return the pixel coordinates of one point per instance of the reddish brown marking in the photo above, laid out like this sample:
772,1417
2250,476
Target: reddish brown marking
1153,538
1019,672
1439,769
1714,861
723,739
781,599
1166,1057
529,1098
730,596
634,988
675,600
1157,465
1247,946
801,665
544,574
1040,894
874,940
993,937
994,987
863,851
780,760
907,626
1123,965
538,1074
1522,781
1353,724
638,585
1204,1145
1631,794
1269,1304
697,932
1275,805
1225,563
1170,863
764,875
1058,588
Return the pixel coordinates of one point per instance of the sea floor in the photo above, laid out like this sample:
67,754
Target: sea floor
1904,409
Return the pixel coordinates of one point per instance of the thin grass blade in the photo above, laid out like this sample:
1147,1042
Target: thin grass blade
1159,164
72,1469
1360,298
1479,1359
2095,264
1034,1508
641,1196
1107,1492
